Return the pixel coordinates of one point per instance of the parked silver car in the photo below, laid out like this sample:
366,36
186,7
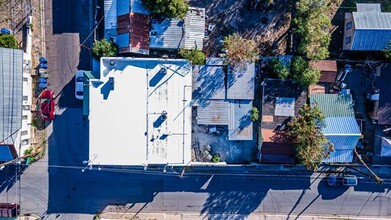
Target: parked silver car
79,78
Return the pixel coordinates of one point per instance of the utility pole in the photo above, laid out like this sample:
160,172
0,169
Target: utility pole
376,177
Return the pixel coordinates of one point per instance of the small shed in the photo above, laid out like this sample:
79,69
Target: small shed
327,68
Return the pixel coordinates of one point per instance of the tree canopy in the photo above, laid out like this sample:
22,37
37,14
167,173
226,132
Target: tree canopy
312,27
303,73
104,48
8,41
240,50
279,69
311,145
196,57
167,8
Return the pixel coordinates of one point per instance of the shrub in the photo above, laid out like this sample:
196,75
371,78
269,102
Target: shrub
8,41
279,69
196,57
104,48
254,114
240,50
216,158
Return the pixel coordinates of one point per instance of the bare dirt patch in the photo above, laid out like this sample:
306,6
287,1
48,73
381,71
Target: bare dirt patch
269,26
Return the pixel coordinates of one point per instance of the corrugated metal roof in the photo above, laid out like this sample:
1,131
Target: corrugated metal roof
110,13
194,28
138,7
11,87
240,126
123,7
341,126
214,112
334,105
215,61
343,142
166,34
340,156
139,33
177,33
372,20
367,7
209,83
240,84
370,40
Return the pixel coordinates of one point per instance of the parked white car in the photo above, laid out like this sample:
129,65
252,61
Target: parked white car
79,78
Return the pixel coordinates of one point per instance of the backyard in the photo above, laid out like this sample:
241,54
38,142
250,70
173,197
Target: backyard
268,25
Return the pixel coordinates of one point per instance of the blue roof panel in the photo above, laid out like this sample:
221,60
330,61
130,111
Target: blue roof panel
340,156
343,142
370,40
5,153
341,126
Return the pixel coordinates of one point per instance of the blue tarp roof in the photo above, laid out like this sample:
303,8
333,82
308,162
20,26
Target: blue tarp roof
5,153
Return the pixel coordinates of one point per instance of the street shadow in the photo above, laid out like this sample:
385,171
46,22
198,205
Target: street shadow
9,175
65,15
330,192
66,97
242,196
92,191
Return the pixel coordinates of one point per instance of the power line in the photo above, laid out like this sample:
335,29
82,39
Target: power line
175,173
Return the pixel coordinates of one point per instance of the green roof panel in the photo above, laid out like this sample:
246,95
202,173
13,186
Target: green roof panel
334,105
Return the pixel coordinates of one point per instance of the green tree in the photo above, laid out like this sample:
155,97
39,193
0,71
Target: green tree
309,77
302,73
8,41
312,25
254,114
104,48
240,50
299,65
196,57
387,51
311,145
167,8
279,69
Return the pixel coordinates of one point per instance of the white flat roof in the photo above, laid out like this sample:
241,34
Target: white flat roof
125,128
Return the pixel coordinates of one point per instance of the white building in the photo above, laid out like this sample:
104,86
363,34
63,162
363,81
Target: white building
15,102
139,112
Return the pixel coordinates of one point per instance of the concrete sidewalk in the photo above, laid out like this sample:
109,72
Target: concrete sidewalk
253,216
